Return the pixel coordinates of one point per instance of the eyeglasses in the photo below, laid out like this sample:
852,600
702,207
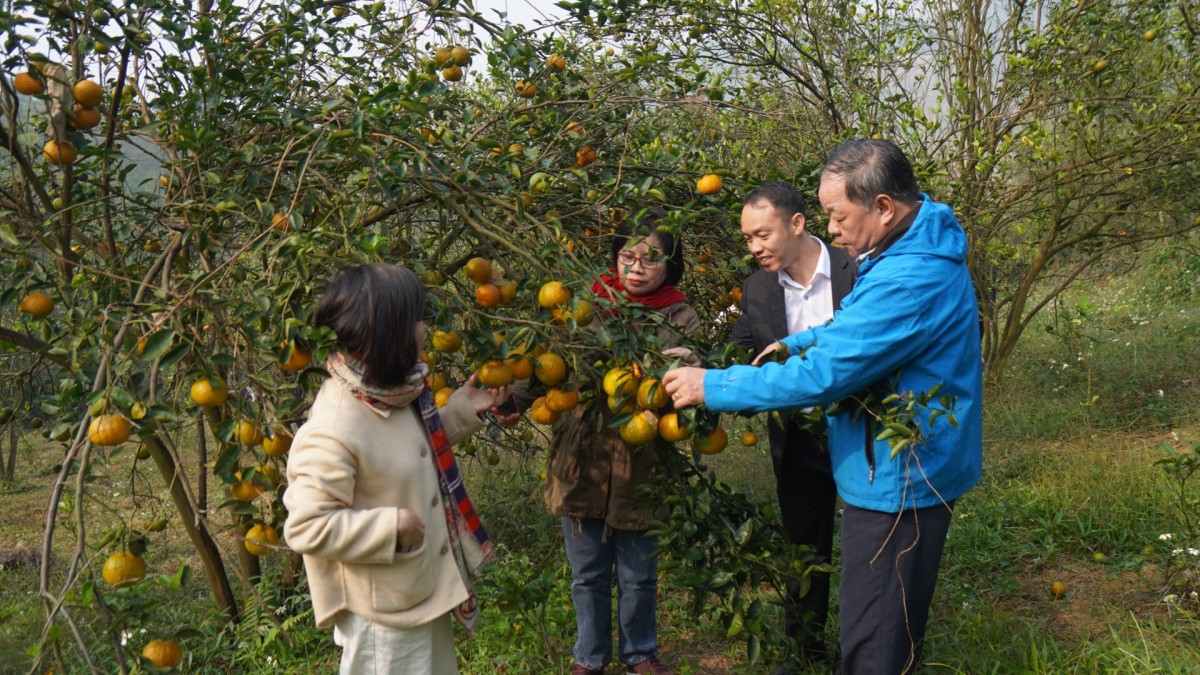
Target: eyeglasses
629,260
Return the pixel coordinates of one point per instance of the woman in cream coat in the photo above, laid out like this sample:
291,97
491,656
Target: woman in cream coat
390,540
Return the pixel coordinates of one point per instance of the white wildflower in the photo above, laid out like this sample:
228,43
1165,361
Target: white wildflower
1166,536
1170,599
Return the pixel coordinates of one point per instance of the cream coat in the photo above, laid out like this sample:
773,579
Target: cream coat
350,470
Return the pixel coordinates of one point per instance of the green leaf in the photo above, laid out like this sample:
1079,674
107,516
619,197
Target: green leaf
175,355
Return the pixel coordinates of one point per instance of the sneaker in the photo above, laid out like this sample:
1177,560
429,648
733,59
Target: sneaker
584,670
651,665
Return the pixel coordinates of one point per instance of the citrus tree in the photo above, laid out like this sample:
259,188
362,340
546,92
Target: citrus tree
181,181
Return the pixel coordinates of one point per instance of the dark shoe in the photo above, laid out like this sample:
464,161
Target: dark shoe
584,670
651,666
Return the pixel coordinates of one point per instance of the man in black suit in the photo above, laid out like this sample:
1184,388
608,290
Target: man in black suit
801,284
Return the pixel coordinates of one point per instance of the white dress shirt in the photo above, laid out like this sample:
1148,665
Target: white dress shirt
808,304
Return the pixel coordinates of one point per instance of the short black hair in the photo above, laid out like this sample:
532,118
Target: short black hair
374,311
645,226
786,199
873,167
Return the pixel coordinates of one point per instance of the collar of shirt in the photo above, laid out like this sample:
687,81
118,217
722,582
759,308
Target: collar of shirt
822,270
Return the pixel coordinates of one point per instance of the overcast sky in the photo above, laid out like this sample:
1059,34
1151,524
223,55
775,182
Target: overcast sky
520,11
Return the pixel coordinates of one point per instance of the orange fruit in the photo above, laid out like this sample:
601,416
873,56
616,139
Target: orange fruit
452,74
620,382
442,396
670,429
209,392
555,63
620,405
640,429
259,537
1058,589
585,155
553,294
281,222
749,438
446,342
479,270
85,118
431,278
462,55
443,56
277,445
88,93
711,443
541,413
62,153
26,83
526,89
247,433
163,653
559,400
109,430
123,568
550,369
508,292
437,381
652,395
487,295
584,314
37,304
495,373
522,367
244,490
270,474
299,359
709,184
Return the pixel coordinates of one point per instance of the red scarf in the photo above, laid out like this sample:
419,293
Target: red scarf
663,297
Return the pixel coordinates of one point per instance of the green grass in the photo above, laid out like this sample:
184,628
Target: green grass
1069,471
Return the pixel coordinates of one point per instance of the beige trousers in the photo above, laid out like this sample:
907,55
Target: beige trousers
373,649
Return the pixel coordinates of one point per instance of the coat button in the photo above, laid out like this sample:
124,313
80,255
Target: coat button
422,452
445,549
435,500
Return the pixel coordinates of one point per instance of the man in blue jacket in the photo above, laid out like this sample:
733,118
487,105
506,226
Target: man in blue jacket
909,325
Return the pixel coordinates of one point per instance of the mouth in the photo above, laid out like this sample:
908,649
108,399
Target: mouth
765,260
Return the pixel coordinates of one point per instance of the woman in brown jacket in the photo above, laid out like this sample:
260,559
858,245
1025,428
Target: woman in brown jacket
593,476
390,540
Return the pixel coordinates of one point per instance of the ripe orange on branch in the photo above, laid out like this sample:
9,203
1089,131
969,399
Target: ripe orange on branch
123,568
652,395
446,342
244,490
479,270
620,382
671,430
526,89
163,653
299,359
541,413
61,153
87,93
26,83
553,294
556,63
452,74
247,433
495,373
277,445
559,400
641,429
712,442
259,537
209,392
550,369
109,430
709,184
487,295
442,396
585,155
37,304
85,118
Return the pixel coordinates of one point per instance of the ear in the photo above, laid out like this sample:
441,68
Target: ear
797,224
885,206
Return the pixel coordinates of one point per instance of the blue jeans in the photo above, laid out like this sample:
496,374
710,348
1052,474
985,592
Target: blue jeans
593,555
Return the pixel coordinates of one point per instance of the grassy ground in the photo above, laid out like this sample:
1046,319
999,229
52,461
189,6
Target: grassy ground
1073,433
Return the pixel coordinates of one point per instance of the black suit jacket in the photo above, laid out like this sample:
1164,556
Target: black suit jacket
764,321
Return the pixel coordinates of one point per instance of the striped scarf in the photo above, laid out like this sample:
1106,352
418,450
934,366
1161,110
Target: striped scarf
468,539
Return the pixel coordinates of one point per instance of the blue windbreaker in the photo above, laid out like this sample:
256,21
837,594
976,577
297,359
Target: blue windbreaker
912,315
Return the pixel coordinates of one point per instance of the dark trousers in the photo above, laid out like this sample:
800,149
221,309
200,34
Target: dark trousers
889,569
807,503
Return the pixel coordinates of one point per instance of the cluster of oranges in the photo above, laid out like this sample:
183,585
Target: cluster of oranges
644,399
490,290
85,114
